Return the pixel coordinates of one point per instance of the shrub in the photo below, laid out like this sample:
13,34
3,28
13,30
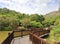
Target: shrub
36,24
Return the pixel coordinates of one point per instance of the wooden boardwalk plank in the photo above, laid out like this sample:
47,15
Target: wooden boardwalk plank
21,40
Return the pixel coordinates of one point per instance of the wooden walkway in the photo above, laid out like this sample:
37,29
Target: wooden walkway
21,40
24,39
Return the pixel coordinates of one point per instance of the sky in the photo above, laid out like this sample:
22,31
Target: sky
31,6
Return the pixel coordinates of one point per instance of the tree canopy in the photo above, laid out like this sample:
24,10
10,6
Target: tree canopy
10,18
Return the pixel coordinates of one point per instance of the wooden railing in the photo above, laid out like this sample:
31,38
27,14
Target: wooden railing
39,31
8,39
21,33
14,34
37,40
35,34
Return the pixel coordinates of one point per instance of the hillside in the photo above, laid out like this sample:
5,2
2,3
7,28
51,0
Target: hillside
10,19
54,17
54,13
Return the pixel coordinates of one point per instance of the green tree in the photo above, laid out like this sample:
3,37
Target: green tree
37,18
25,22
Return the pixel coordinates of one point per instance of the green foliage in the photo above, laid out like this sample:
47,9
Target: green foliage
6,23
25,22
54,18
36,24
37,18
54,34
9,19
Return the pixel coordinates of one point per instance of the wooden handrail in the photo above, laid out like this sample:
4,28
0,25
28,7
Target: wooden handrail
37,40
8,39
35,33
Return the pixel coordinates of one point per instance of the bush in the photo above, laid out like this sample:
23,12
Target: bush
36,24
9,28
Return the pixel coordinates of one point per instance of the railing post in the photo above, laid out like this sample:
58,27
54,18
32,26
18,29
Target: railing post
21,33
8,34
41,41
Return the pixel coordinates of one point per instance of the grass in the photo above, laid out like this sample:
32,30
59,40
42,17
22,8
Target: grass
3,35
54,35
